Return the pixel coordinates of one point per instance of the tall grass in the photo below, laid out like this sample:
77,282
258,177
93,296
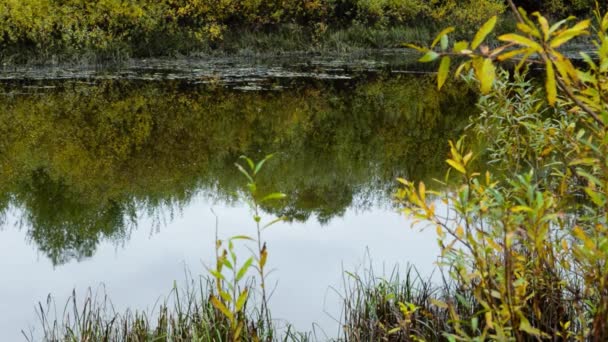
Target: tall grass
186,315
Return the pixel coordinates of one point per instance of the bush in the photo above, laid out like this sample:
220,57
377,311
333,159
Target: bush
530,242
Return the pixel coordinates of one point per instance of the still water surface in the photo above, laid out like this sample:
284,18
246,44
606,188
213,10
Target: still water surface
110,177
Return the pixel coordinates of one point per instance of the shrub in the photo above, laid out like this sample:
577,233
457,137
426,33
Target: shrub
531,242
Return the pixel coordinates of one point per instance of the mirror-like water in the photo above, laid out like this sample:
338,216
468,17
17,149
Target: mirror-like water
112,179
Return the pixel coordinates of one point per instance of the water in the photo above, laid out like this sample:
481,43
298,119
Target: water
110,176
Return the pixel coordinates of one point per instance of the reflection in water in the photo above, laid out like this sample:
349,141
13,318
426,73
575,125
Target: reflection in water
81,160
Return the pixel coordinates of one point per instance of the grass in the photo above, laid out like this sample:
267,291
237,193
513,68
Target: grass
186,315
401,307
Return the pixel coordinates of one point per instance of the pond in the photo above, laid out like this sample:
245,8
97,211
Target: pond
114,178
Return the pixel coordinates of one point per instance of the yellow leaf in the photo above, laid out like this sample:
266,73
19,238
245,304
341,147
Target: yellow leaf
416,47
457,166
486,73
512,53
467,158
422,191
444,69
461,45
550,84
440,232
565,245
575,31
544,25
528,29
459,231
483,32
520,208
565,68
464,66
489,323
517,39
223,309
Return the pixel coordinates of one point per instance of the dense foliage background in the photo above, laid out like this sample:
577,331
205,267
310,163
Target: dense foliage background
149,27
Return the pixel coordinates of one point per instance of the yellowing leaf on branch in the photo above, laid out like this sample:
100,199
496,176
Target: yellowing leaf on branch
444,69
485,72
550,84
520,40
483,32
457,166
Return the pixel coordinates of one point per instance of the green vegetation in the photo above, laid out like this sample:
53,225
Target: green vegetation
531,243
524,242
113,29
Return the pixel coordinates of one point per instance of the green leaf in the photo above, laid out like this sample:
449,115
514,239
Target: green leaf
444,69
444,32
273,196
258,167
550,84
240,302
243,270
243,171
282,218
429,57
242,237
248,160
445,42
483,32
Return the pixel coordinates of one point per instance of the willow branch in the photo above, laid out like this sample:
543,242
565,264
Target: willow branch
560,82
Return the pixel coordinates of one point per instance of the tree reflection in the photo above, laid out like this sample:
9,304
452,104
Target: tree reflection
81,161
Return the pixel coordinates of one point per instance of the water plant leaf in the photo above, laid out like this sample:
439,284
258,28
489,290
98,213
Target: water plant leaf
258,167
244,172
248,160
273,196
